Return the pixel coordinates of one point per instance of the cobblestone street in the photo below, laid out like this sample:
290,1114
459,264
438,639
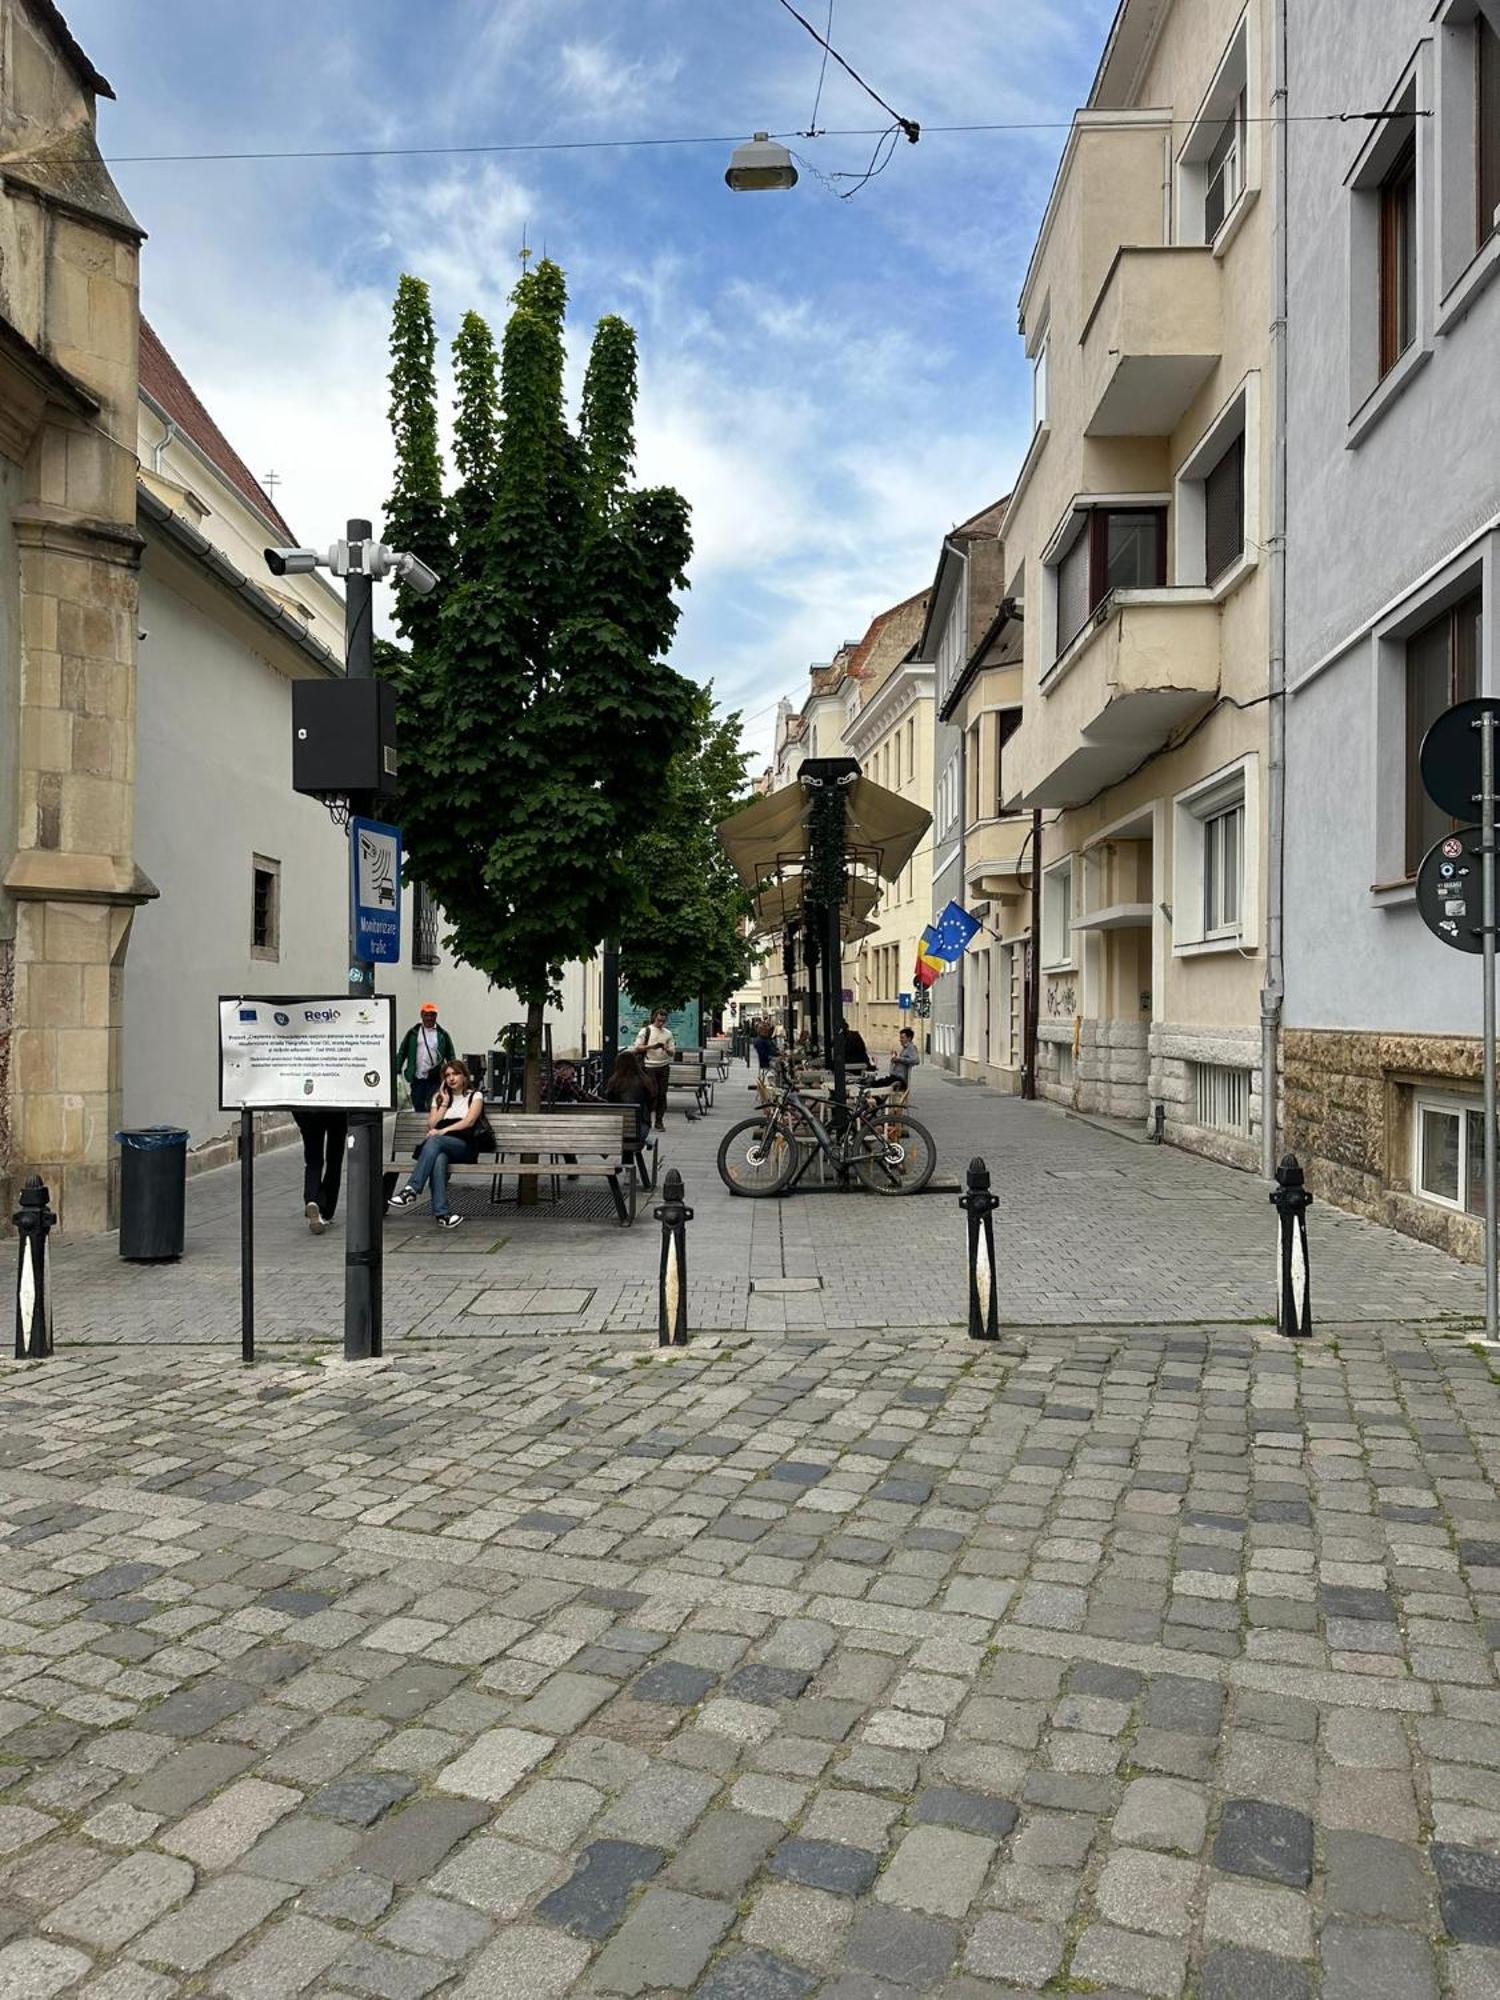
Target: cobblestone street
1143,1654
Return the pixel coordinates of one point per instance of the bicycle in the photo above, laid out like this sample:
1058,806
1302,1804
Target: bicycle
877,1142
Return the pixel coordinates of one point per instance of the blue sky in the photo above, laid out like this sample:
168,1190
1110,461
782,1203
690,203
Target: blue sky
831,383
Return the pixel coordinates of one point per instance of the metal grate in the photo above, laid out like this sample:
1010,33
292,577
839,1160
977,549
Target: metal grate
1221,1097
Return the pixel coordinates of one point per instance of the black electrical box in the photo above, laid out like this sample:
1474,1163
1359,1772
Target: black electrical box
344,738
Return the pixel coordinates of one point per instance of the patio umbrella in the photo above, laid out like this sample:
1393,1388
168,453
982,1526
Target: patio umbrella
881,830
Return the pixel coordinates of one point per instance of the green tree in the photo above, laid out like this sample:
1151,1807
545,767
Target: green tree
538,714
416,515
681,938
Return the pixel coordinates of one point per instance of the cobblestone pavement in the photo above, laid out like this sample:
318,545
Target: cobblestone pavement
1091,1231
1139,1661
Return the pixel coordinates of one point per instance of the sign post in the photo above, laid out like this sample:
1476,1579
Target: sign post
1458,770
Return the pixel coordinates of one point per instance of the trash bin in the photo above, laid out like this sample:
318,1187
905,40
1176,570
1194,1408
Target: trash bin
153,1192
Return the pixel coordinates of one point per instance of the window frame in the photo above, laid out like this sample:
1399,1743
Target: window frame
1088,521
1397,266
1462,1109
1231,103
1468,227
1216,924
1058,948
1194,811
1238,418
1007,722
269,950
1378,373
1463,683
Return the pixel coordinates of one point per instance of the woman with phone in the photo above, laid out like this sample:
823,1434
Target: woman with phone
456,1129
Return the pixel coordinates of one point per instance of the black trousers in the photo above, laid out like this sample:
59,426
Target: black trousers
424,1089
324,1135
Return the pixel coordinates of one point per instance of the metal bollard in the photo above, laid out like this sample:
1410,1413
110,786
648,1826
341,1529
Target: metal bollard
980,1205
1291,1201
671,1299
33,1219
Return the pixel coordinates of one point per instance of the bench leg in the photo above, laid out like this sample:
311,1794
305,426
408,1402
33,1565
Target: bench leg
614,1188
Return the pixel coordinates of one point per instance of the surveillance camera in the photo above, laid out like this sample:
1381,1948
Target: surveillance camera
292,562
415,574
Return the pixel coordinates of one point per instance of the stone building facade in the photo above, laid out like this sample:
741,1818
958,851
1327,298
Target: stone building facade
69,560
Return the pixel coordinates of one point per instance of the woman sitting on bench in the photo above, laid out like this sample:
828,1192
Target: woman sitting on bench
456,1129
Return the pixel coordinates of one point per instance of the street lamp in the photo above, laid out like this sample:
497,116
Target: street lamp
360,560
761,166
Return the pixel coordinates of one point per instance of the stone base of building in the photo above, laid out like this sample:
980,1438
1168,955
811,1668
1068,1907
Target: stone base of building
999,1076
1124,1069
1349,1117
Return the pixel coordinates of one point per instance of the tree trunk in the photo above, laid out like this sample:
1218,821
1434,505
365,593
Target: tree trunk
531,1092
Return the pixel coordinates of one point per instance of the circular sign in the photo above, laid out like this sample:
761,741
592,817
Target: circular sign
1449,887
1449,758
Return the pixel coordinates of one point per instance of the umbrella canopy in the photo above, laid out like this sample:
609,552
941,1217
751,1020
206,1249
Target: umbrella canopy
779,901
882,830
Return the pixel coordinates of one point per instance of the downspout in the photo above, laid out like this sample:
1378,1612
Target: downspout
1273,990
1032,1001
169,432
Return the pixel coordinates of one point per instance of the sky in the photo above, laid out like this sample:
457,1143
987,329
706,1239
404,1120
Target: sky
831,383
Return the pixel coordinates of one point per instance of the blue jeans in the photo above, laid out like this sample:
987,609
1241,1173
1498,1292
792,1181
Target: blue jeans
432,1165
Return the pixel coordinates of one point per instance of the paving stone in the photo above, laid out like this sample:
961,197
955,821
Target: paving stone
211,1922
936,1870
593,1899
1111,1957
825,1864
723,1853
1163,1813
1276,1921
383,1974
1233,1973
301,1849
972,1812
1148,1892
33,1969
352,1898
193,1711
428,1924
283,1960
1012,1949
665,1942
756,1975
1371,1877
188,1776
495,1764
496,1876
550,1813
220,1832
1373,1962
911,1951
133,1894
673,1682
761,1683
359,1799
1469,1886
528,1963
1271,1842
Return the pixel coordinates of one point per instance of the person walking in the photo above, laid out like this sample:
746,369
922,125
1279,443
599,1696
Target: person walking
423,1051
456,1130
324,1136
764,1045
657,1051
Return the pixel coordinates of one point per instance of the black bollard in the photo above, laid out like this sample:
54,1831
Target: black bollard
671,1297
1291,1201
981,1205
33,1219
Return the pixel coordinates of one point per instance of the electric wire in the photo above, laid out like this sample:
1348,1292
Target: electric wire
908,125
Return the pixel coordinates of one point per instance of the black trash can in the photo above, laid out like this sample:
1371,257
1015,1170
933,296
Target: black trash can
153,1193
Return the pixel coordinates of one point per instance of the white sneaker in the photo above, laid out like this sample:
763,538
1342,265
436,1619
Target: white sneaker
404,1198
449,1221
315,1220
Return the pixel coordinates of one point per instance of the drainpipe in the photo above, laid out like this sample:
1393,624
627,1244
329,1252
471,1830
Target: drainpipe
169,432
1272,991
1032,1000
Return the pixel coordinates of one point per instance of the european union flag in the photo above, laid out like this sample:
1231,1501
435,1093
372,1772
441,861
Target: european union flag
951,933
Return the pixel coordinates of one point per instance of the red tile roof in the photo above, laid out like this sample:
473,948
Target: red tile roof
164,382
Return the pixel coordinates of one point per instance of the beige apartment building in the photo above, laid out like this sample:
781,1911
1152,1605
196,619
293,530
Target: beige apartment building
1137,574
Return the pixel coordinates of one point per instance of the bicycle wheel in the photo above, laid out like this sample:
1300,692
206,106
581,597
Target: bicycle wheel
897,1155
756,1157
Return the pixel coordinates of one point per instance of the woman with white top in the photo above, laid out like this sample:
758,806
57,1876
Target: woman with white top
658,1052
454,1129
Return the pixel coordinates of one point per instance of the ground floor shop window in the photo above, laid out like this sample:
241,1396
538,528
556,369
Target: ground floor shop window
1449,1147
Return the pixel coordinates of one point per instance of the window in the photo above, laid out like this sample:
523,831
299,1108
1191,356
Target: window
1113,548
1398,257
971,774
1057,915
1448,1144
1010,721
265,908
1221,1097
1039,385
1442,667
424,927
911,748
1225,171
1224,512
1487,126
1224,870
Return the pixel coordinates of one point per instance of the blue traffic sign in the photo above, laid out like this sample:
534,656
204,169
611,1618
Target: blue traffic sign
375,885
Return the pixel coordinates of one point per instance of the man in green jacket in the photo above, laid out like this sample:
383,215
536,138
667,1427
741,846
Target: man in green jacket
423,1051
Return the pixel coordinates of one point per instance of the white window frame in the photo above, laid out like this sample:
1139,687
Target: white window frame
1216,823
1443,1104
1058,949
1371,394
1192,812
1239,416
1235,83
1465,267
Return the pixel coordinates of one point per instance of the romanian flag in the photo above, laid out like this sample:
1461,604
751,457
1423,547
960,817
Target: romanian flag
928,965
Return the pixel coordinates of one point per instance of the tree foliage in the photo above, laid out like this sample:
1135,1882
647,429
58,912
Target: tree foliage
682,938
538,714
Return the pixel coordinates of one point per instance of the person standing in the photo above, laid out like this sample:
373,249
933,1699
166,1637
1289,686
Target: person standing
657,1051
423,1051
324,1136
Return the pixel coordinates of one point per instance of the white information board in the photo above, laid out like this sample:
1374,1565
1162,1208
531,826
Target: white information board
336,1054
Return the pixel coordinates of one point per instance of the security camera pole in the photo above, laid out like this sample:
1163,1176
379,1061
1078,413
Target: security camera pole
359,560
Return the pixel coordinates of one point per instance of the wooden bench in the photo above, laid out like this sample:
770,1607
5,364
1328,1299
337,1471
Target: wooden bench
718,1052
544,1144
692,1076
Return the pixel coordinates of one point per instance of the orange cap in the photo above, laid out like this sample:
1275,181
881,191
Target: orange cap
428,1007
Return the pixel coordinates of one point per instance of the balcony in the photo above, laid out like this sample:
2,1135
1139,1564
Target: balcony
1151,341
1147,666
997,858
